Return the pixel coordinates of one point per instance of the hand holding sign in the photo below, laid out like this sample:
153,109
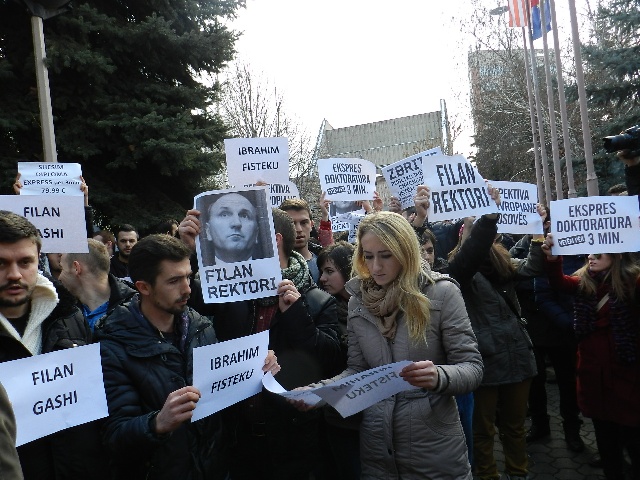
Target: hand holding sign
546,247
421,374
189,228
177,409
288,294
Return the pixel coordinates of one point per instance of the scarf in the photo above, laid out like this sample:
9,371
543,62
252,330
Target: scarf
298,272
382,302
623,329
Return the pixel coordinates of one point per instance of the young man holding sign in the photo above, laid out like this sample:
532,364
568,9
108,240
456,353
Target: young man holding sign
146,348
37,317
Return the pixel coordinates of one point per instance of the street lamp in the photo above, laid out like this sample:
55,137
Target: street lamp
42,10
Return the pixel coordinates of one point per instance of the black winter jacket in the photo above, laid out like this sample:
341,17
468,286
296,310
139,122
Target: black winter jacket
140,370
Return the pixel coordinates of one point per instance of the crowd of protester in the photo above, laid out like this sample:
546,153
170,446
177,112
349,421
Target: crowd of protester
477,322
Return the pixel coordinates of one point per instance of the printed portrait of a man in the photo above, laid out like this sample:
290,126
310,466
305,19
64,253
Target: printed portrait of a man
236,227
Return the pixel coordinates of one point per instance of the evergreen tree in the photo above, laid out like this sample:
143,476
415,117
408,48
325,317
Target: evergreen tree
612,81
128,100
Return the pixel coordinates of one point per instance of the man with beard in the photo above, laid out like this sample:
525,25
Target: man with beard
126,238
147,359
37,317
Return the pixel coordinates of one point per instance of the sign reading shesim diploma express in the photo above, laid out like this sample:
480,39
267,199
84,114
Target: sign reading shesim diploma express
595,225
54,391
50,178
228,372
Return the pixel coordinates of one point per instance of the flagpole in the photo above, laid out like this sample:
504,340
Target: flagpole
534,132
557,171
592,178
563,105
536,93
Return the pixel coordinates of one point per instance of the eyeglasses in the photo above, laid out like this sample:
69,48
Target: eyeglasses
596,255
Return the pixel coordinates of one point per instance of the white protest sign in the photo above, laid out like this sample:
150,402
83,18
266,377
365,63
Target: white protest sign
595,225
354,393
48,178
279,192
347,178
54,391
228,372
366,388
457,189
59,220
307,396
354,223
338,224
237,252
251,160
403,177
517,208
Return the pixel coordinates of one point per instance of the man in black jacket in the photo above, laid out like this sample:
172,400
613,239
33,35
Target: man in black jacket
281,442
147,357
37,317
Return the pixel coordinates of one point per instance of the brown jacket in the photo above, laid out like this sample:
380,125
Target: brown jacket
9,462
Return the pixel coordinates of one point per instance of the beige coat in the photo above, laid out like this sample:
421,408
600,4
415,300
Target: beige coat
416,434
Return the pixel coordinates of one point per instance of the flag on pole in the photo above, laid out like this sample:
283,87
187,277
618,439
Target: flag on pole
518,13
536,19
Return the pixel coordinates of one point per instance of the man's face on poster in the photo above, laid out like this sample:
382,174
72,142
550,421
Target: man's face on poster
233,227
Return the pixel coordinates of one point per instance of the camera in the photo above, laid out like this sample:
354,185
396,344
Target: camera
627,140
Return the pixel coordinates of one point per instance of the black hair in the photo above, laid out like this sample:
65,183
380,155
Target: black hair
146,255
341,254
283,224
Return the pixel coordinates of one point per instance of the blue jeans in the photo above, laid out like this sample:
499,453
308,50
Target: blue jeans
465,410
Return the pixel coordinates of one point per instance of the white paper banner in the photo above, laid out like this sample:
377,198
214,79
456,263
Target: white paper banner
55,391
356,392
237,252
403,177
59,219
354,223
518,208
457,189
307,396
50,178
595,225
228,372
251,160
347,178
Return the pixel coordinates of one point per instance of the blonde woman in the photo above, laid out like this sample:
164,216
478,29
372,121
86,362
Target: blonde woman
399,311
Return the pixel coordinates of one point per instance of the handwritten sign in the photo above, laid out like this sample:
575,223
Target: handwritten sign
237,252
347,178
457,189
403,177
228,372
517,208
47,178
59,220
55,391
595,225
251,160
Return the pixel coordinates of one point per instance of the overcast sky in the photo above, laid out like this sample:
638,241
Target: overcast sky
361,61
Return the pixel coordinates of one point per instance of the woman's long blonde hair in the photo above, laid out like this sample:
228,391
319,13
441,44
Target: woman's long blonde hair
395,233
623,275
